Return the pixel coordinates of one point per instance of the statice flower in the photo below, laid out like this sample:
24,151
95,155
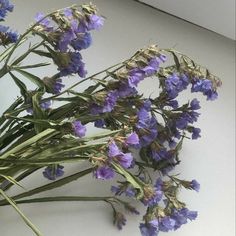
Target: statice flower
5,6
119,220
166,224
182,216
149,229
95,22
128,191
175,83
79,129
109,103
196,133
152,67
82,41
7,36
124,159
104,172
135,76
99,123
195,104
73,65
132,139
195,185
53,172
147,127
204,86
53,85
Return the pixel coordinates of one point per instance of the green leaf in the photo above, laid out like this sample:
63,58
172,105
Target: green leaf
27,221
43,53
33,78
12,180
33,65
21,85
136,183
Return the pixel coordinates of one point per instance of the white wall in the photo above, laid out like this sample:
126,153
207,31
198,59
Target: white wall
216,15
211,159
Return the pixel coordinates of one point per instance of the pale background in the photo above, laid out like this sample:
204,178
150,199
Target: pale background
211,159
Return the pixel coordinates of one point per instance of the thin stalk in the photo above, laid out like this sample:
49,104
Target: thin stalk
53,185
63,199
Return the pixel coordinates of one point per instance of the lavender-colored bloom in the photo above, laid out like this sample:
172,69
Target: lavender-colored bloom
53,172
175,84
74,65
5,6
182,123
132,139
166,224
79,129
99,123
46,105
119,220
160,154
182,216
135,76
82,41
194,105
129,192
147,127
109,103
66,39
150,228
12,36
147,105
124,159
43,21
205,86
104,172
196,133
195,185
153,199
125,90
57,86
173,103
152,67
95,22
68,12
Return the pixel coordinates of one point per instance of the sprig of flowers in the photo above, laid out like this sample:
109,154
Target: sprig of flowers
140,133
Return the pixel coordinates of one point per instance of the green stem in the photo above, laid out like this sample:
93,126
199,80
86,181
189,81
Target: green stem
63,199
53,185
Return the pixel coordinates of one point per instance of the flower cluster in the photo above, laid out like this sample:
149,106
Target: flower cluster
7,36
141,134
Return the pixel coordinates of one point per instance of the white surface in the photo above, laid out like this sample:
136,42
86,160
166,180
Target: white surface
211,159
216,15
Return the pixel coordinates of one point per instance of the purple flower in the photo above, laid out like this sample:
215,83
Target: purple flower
160,154
43,22
175,84
182,216
152,67
104,172
195,185
79,129
74,64
135,76
5,6
196,133
109,103
124,159
149,229
65,40
125,90
58,85
99,123
53,172
205,86
132,139
194,105
147,127
166,224
182,123
95,22
82,41
119,220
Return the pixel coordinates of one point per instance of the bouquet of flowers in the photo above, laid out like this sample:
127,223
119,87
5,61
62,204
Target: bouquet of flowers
45,128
